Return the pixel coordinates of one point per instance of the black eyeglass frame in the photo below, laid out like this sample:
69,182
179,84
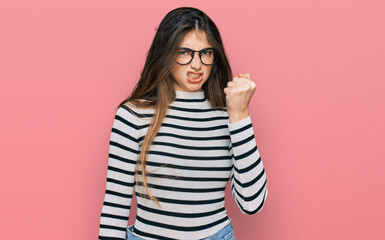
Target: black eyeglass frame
200,55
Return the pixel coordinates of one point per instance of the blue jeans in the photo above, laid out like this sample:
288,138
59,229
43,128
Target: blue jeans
226,233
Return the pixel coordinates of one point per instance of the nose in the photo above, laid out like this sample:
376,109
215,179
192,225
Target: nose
196,62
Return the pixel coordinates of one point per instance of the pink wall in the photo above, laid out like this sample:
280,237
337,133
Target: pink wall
318,111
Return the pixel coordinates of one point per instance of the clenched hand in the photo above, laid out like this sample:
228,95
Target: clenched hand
238,94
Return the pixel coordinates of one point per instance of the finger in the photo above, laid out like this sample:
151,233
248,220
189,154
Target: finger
230,91
243,84
246,75
241,81
237,79
227,91
244,81
232,84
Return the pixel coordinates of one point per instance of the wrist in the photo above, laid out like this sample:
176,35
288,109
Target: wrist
237,116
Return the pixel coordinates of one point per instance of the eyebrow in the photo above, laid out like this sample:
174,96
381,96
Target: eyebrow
196,50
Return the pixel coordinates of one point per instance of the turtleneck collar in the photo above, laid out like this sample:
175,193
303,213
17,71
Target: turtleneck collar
190,95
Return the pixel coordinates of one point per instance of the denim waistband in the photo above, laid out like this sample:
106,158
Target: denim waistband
227,232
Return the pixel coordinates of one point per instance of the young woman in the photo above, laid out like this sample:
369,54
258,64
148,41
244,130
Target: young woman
178,139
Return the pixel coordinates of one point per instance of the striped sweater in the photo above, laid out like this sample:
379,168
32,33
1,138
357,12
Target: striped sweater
195,153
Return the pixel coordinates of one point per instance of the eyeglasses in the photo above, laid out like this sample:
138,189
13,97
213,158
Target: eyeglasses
184,56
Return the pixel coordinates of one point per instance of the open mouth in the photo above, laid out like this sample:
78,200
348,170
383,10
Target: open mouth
194,77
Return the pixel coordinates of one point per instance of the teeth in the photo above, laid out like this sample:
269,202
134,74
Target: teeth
193,75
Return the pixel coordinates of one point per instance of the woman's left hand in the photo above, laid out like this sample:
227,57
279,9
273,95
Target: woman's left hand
238,94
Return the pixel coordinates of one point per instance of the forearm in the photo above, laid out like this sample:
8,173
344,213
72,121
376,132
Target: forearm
249,184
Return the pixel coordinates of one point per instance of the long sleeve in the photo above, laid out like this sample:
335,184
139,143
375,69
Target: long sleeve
248,177
123,153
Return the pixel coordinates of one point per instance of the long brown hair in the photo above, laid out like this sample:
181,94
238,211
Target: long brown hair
156,83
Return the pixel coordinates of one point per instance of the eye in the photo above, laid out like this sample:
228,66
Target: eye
183,52
207,52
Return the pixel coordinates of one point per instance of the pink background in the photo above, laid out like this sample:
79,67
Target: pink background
318,111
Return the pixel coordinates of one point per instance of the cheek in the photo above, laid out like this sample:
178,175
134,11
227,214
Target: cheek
208,71
178,72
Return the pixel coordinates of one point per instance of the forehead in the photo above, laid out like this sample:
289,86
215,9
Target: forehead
196,40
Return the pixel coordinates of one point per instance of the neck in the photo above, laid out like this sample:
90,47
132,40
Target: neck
190,95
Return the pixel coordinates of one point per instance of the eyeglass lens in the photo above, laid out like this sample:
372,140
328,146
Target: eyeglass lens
185,55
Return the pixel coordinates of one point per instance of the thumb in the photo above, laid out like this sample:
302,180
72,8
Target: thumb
247,76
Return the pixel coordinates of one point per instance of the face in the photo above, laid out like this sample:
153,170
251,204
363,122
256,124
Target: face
191,77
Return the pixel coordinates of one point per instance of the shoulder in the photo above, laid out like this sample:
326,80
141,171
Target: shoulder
133,113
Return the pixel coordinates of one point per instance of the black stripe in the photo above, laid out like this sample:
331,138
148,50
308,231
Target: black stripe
116,205
181,228
190,100
122,159
117,117
194,128
184,202
120,170
113,216
193,179
198,119
112,227
225,137
187,128
110,238
253,197
182,215
110,192
192,168
236,144
189,157
248,184
112,143
195,109
140,233
123,134
182,167
128,184
246,154
177,189
189,147
139,115
255,210
241,129
244,170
